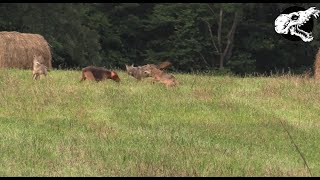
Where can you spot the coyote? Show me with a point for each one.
(141, 72)
(162, 77)
(98, 74)
(164, 65)
(38, 68)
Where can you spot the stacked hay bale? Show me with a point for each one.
(317, 66)
(18, 49)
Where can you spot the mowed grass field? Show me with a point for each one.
(207, 126)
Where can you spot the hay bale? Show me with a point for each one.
(317, 65)
(18, 49)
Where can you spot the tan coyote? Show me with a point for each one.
(141, 72)
(38, 67)
(154, 71)
(162, 77)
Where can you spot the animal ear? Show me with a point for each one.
(132, 65)
(113, 74)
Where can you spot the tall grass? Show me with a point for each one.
(207, 126)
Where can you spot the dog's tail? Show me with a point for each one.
(83, 77)
(164, 65)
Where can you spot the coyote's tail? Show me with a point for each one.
(164, 65)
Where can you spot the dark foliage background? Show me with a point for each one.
(194, 36)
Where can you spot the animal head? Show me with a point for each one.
(114, 76)
(37, 59)
(147, 73)
(290, 23)
(130, 69)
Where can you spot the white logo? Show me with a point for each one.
(291, 23)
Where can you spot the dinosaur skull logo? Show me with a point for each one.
(297, 23)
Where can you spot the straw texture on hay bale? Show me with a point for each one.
(317, 65)
(18, 49)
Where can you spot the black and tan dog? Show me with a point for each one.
(98, 74)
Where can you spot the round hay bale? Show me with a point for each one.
(317, 66)
(18, 49)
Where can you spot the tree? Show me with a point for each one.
(194, 36)
(224, 53)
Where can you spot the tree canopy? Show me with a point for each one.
(238, 37)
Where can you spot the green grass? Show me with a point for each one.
(207, 126)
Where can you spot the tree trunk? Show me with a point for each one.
(219, 29)
(228, 49)
(213, 43)
(227, 52)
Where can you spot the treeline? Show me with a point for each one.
(234, 37)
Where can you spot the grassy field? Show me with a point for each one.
(208, 126)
